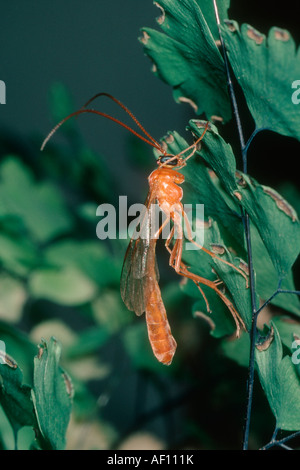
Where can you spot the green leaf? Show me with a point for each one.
(237, 349)
(223, 226)
(39, 205)
(267, 277)
(219, 319)
(281, 384)
(74, 272)
(18, 344)
(186, 55)
(15, 397)
(288, 329)
(17, 253)
(90, 257)
(209, 14)
(218, 154)
(7, 438)
(110, 312)
(202, 186)
(216, 188)
(67, 286)
(13, 296)
(52, 395)
(275, 220)
(265, 68)
(234, 283)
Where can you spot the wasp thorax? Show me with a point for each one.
(168, 159)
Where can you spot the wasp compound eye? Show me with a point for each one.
(168, 159)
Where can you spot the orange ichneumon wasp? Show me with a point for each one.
(139, 279)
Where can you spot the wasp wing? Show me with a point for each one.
(135, 267)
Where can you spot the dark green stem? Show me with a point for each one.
(244, 149)
(281, 442)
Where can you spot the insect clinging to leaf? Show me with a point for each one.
(140, 289)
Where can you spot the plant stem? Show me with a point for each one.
(278, 291)
(281, 442)
(246, 219)
(253, 334)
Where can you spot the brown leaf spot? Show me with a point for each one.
(244, 267)
(281, 203)
(281, 34)
(164, 145)
(232, 250)
(160, 19)
(199, 146)
(240, 179)
(255, 35)
(217, 248)
(230, 25)
(215, 118)
(8, 360)
(296, 338)
(169, 139)
(183, 99)
(40, 352)
(145, 38)
(68, 384)
(205, 317)
(201, 124)
(265, 343)
(212, 174)
(238, 195)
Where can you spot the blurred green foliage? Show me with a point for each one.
(58, 280)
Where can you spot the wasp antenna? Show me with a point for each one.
(99, 113)
(127, 110)
(56, 128)
(197, 141)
